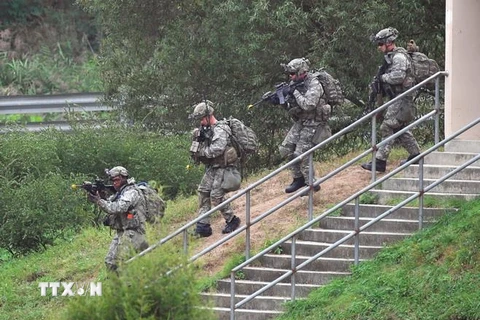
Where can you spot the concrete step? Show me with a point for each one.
(302, 276)
(457, 145)
(450, 158)
(407, 213)
(438, 171)
(246, 314)
(386, 196)
(385, 225)
(448, 186)
(344, 251)
(222, 300)
(247, 287)
(367, 238)
(283, 261)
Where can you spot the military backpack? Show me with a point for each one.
(331, 86)
(154, 204)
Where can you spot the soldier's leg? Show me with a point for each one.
(387, 129)
(132, 240)
(408, 141)
(204, 190)
(218, 195)
(111, 259)
(288, 146)
(304, 144)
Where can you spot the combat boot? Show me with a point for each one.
(203, 230)
(232, 225)
(315, 189)
(380, 165)
(410, 157)
(296, 184)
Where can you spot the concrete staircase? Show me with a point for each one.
(398, 225)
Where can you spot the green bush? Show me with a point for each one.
(38, 211)
(144, 290)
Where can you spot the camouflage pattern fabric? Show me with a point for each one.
(210, 191)
(126, 211)
(398, 115)
(123, 246)
(310, 116)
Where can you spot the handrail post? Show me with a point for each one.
(421, 191)
(292, 265)
(374, 148)
(437, 108)
(247, 223)
(356, 249)
(310, 183)
(232, 295)
(185, 242)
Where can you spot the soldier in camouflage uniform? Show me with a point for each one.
(307, 106)
(212, 146)
(397, 78)
(126, 215)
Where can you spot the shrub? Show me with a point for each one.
(38, 211)
(144, 290)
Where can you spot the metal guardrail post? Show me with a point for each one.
(422, 193)
(310, 183)
(356, 248)
(437, 108)
(292, 265)
(247, 223)
(374, 148)
(232, 295)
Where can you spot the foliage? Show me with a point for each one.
(36, 213)
(48, 72)
(169, 56)
(37, 170)
(432, 275)
(146, 290)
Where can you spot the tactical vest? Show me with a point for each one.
(409, 80)
(134, 218)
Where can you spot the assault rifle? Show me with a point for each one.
(379, 89)
(280, 95)
(199, 135)
(99, 185)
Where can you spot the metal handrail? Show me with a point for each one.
(357, 230)
(309, 188)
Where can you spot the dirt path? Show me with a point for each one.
(284, 220)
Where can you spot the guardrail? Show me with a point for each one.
(52, 103)
(41, 104)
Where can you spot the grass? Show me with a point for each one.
(434, 274)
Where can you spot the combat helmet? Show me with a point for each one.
(298, 65)
(116, 171)
(202, 109)
(386, 35)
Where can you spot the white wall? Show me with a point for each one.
(462, 61)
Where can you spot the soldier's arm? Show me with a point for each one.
(398, 71)
(309, 100)
(121, 205)
(218, 144)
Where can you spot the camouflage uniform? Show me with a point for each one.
(211, 153)
(126, 213)
(216, 152)
(400, 77)
(310, 112)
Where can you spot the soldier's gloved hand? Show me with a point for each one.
(287, 91)
(93, 197)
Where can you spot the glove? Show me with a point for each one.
(287, 91)
(93, 197)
